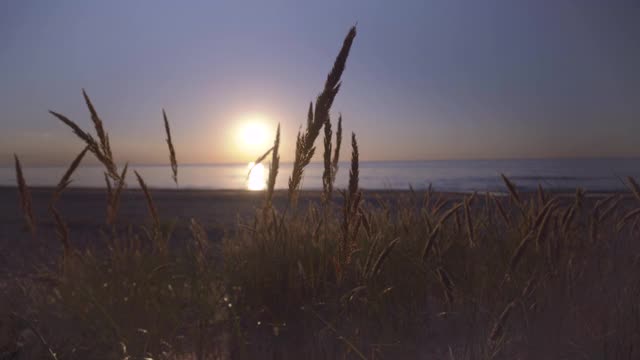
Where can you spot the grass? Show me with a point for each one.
(411, 275)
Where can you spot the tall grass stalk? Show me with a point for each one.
(336, 152)
(101, 150)
(113, 197)
(172, 152)
(273, 169)
(25, 198)
(305, 148)
(327, 174)
(66, 178)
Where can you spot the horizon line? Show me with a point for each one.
(191, 164)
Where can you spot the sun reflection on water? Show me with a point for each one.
(256, 180)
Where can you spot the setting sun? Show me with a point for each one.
(253, 136)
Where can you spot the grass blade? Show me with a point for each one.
(172, 150)
(66, 178)
(273, 169)
(25, 198)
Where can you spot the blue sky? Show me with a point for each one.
(425, 79)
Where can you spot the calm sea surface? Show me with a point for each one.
(457, 175)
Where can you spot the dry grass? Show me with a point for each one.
(469, 276)
(25, 198)
(172, 151)
(336, 153)
(327, 174)
(102, 150)
(305, 148)
(65, 181)
(113, 197)
(273, 169)
(150, 204)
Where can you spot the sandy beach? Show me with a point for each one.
(86, 207)
(218, 211)
(84, 210)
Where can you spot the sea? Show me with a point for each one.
(596, 175)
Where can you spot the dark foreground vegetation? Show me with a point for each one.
(418, 275)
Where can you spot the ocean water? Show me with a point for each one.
(444, 175)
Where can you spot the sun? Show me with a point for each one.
(254, 136)
(253, 139)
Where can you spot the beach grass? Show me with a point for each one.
(418, 274)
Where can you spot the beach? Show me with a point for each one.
(84, 210)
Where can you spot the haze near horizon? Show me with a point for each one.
(425, 80)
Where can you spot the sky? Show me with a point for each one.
(425, 79)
